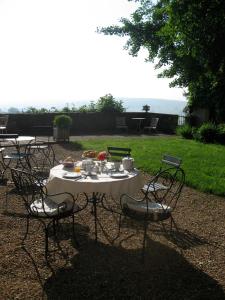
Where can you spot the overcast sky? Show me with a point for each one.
(50, 54)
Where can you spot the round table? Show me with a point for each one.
(98, 186)
(139, 122)
(21, 139)
(100, 183)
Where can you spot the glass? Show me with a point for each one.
(77, 169)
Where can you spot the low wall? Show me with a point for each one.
(84, 123)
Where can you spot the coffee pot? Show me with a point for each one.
(128, 163)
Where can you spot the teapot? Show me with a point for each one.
(87, 164)
(128, 163)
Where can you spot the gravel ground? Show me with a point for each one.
(189, 264)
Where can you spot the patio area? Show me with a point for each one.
(189, 264)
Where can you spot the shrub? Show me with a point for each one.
(207, 133)
(62, 121)
(186, 131)
(220, 138)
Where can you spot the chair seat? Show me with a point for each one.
(154, 187)
(139, 210)
(49, 208)
(15, 156)
(40, 147)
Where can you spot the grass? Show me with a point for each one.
(204, 164)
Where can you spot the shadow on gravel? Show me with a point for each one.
(101, 271)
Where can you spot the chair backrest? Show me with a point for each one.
(174, 183)
(28, 186)
(4, 120)
(171, 160)
(121, 121)
(118, 151)
(41, 158)
(154, 123)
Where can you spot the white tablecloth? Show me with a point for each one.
(102, 183)
(21, 139)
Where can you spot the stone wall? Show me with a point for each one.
(85, 123)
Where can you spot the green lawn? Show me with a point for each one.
(204, 164)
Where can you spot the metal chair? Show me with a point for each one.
(41, 158)
(153, 123)
(14, 155)
(4, 123)
(156, 207)
(118, 152)
(41, 206)
(121, 123)
(169, 163)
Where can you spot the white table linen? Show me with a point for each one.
(101, 183)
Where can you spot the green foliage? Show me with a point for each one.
(88, 108)
(62, 121)
(207, 133)
(185, 38)
(108, 103)
(203, 163)
(186, 131)
(220, 138)
(32, 110)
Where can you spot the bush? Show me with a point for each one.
(220, 138)
(62, 121)
(207, 133)
(186, 131)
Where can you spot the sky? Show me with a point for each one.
(51, 54)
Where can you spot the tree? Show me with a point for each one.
(13, 110)
(108, 103)
(185, 38)
(32, 110)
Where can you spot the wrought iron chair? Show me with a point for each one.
(4, 123)
(41, 206)
(41, 158)
(153, 123)
(159, 206)
(169, 163)
(121, 123)
(118, 152)
(14, 155)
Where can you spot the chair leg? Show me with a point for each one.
(27, 229)
(144, 241)
(74, 235)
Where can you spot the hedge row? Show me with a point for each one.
(206, 133)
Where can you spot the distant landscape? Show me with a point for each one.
(131, 105)
(156, 105)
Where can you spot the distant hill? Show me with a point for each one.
(156, 105)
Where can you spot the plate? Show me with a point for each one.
(119, 175)
(71, 175)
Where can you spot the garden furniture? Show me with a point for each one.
(154, 207)
(139, 123)
(40, 204)
(95, 186)
(152, 126)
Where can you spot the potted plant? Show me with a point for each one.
(61, 129)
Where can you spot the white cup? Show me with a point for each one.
(117, 165)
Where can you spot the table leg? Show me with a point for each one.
(94, 199)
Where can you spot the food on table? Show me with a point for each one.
(102, 155)
(69, 159)
(68, 162)
(90, 153)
